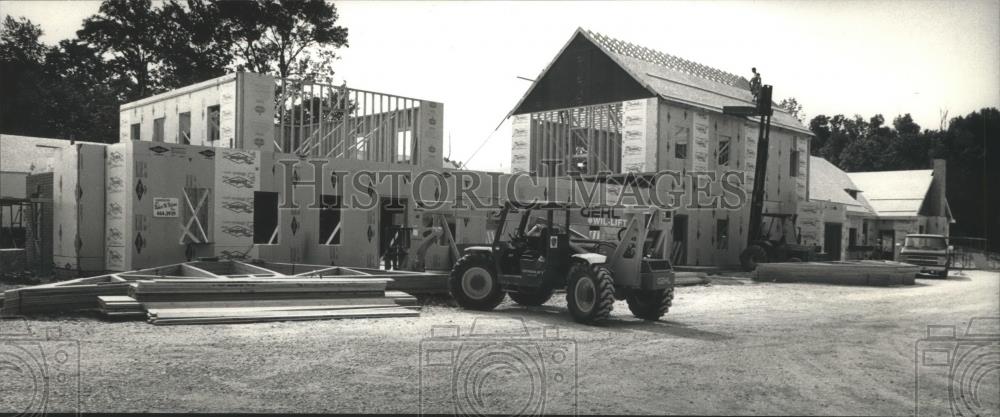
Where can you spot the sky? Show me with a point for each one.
(863, 57)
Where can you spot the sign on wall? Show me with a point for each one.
(166, 207)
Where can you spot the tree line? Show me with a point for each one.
(132, 49)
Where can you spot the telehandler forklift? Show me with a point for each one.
(530, 265)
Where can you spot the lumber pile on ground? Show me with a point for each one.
(120, 306)
(207, 292)
(73, 295)
(214, 301)
(430, 282)
(690, 278)
(840, 272)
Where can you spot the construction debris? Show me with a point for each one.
(207, 292)
(840, 272)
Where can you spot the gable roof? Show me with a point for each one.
(671, 78)
(894, 193)
(829, 183)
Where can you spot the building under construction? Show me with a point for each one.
(603, 104)
(227, 168)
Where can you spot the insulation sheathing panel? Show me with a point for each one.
(639, 135)
(118, 214)
(429, 138)
(520, 152)
(237, 176)
(79, 192)
(165, 179)
(255, 123)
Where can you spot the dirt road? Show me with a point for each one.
(745, 348)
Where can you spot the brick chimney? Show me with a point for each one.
(938, 187)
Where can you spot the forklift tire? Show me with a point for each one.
(590, 293)
(751, 256)
(474, 282)
(650, 305)
(532, 297)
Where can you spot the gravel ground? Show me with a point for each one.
(734, 347)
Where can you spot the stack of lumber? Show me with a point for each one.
(430, 282)
(212, 289)
(73, 295)
(690, 278)
(229, 292)
(223, 315)
(402, 298)
(840, 272)
(120, 306)
(244, 300)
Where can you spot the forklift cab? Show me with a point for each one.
(543, 251)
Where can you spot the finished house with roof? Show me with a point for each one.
(853, 215)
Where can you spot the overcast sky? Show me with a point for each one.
(889, 57)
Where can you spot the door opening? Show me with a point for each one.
(394, 233)
(678, 248)
(832, 236)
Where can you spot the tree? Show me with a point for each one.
(21, 62)
(198, 48)
(792, 106)
(128, 34)
(972, 144)
(905, 125)
(83, 94)
(284, 38)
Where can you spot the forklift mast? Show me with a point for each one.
(764, 111)
(760, 171)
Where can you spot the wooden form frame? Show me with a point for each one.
(82, 293)
(592, 134)
(323, 120)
